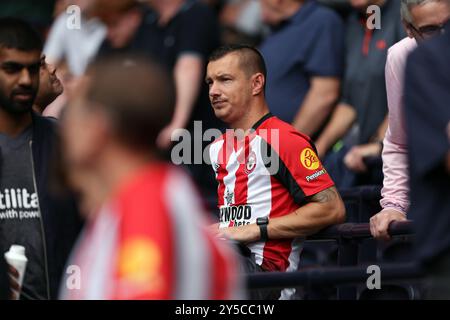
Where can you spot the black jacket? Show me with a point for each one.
(60, 216)
(4, 282)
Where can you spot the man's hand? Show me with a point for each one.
(214, 229)
(246, 234)
(164, 140)
(13, 282)
(354, 159)
(379, 223)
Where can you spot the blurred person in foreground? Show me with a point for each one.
(145, 238)
(30, 214)
(427, 114)
(422, 19)
(179, 34)
(273, 190)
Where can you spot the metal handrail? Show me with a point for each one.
(331, 276)
(343, 274)
(360, 231)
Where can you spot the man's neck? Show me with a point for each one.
(252, 117)
(291, 9)
(14, 124)
(118, 166)
(167, 10)
(37, 109)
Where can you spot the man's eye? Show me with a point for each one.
(430, 29)
(11, 69)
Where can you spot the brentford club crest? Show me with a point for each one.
(250, 164)
(229, 197)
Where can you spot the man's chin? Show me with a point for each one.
(19, 108)
(224, 117)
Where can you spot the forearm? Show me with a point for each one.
(304, 221)
(395, 192)
(316, 106)
(342, 119)
(322, 209)
(381, 131)
(187, 75)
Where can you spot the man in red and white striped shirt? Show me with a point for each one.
(273, 190)
(149, 239)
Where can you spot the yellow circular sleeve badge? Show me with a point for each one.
(140, 261)
(309, 159)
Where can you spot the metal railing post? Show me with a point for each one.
(347, 256)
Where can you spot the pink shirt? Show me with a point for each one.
(395, 163)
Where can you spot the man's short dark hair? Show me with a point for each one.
(137, 94)
(18, 34)
(251, 60)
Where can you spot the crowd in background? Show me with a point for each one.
(325, 64)
(330, 73)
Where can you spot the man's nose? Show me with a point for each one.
(25, 77)
(51, 68)
(214, 90)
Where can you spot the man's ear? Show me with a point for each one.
(100, 127)
(407, 29)
(258, 81)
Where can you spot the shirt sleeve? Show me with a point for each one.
(54, 45)
(298, 167)
(144, 261)
(326, 57)
(199, 32)
(395, 163)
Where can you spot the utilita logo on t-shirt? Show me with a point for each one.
(18, 204)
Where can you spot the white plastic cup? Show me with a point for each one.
(16, 258)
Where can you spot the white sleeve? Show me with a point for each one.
(54, 48)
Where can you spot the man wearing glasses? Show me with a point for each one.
(423, 19)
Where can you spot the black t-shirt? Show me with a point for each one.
(20, 221)
(193, 30)
(364, 86)
(4, 282)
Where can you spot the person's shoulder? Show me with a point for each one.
(398, 53)
(46, 124)
(327, 15)
(402, 47)
(197, 9)
(428, 68)
(145, 181)
(218, 140)
(437, 46)
(284, 134)
(431, 53)
(60, 22)
(392, 7)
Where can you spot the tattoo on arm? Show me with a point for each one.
(326, 195)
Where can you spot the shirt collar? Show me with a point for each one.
(305, 10)
(260, 121)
